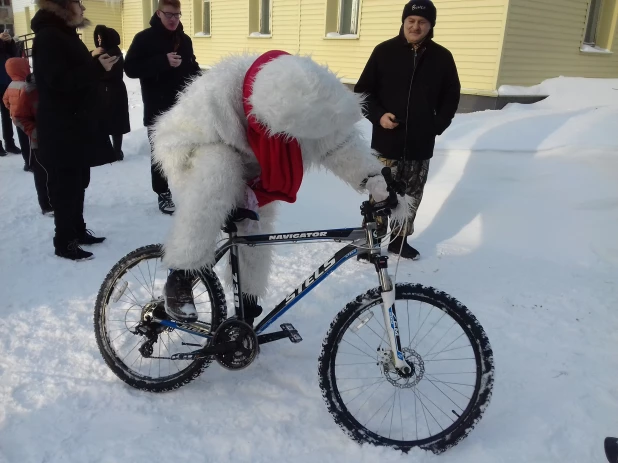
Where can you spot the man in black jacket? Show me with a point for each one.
(70, 140)
(412, 93)
(163, 60)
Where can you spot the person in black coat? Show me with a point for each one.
(112, 89)
(163, 60)
(8, 50)
(70, 141)
(412, 91)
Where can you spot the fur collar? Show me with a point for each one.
(61, 11)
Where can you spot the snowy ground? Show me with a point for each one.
(526, 238)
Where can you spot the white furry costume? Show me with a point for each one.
(201, 146)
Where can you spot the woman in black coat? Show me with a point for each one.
(70, 140)
(112, 90)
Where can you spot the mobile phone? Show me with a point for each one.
(396, 120)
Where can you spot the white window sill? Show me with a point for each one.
(595, 50)
(258, 35)
(335, 36)
(201, 34)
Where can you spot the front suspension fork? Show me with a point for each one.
(388, 301)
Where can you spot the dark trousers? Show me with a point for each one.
(41, 181)
(68, 188)
(117, 142)
(7, 123)
(159, 182)
(24, 144)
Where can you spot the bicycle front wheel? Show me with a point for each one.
(436, 405)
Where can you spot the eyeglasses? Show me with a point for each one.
(81, 3)
(172, 15)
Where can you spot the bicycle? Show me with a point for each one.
(366, 364)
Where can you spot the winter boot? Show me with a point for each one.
(2, 151)
(611, 449)
(47, 212)
(166, 205)
(119, 155)
(11, 147)
(407, 251)
(87, 238)
(71, 250)
(27, 168)
(252, 308)
(178, 296)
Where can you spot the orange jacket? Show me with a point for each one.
(21, 98)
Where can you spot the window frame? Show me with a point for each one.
(335, 16)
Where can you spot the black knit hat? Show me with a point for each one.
(423, 8)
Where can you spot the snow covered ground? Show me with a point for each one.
(519, 222)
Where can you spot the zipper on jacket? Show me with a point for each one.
(405, 145)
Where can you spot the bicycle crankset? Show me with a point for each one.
(246, 340)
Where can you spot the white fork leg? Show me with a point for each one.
(392, 328)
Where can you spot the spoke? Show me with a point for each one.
(367, 344)
(370, 395)
(350, 353)
(382, 338)
(154, 279)
(393, 414)
(133, 302)
(401, 414)
(448, 360)
(439, 340)
(359, 363)
(424, 414)
(427, 334)
(145, 281)
(127, 331)
(433, 403)
(452, 388)
(415, 416)
(420, 327)
(134, 297)
(360, 350)
(434, 385)
(131, 351)
(364, 377)
(137, 279)
(359, 387)
(169, 360)
(385, 402)
(150, 279)
(447, 346)
(457, 373)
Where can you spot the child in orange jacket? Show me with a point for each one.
(21, 99)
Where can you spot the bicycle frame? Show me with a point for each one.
(362, 237)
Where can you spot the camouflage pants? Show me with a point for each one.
(414, 174)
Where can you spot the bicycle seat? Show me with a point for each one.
(238, 215)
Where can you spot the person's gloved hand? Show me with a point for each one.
(377, 188)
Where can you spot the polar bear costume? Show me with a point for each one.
(202, 147)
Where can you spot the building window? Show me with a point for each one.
(592, 25)
(206, 17)
(260, 18)
(342, 18)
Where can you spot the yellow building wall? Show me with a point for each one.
(543, 40)
(20, 23)
(132, 20)
(101, 12)
(471, 29)
(230, 29)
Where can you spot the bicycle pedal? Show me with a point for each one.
(291, 332)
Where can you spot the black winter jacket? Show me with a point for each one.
(67, 77)
(113, 96)
(147, 60)
(421, 88)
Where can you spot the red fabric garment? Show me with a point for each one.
(279, 156)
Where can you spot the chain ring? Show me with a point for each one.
(413, 358)
(231, 330)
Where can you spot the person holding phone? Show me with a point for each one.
(412, 90)
(70, 140)
(162, 58)
(112, 89)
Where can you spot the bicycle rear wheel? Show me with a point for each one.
(434, 407)
(144, 359)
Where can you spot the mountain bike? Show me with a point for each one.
(402, 365)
